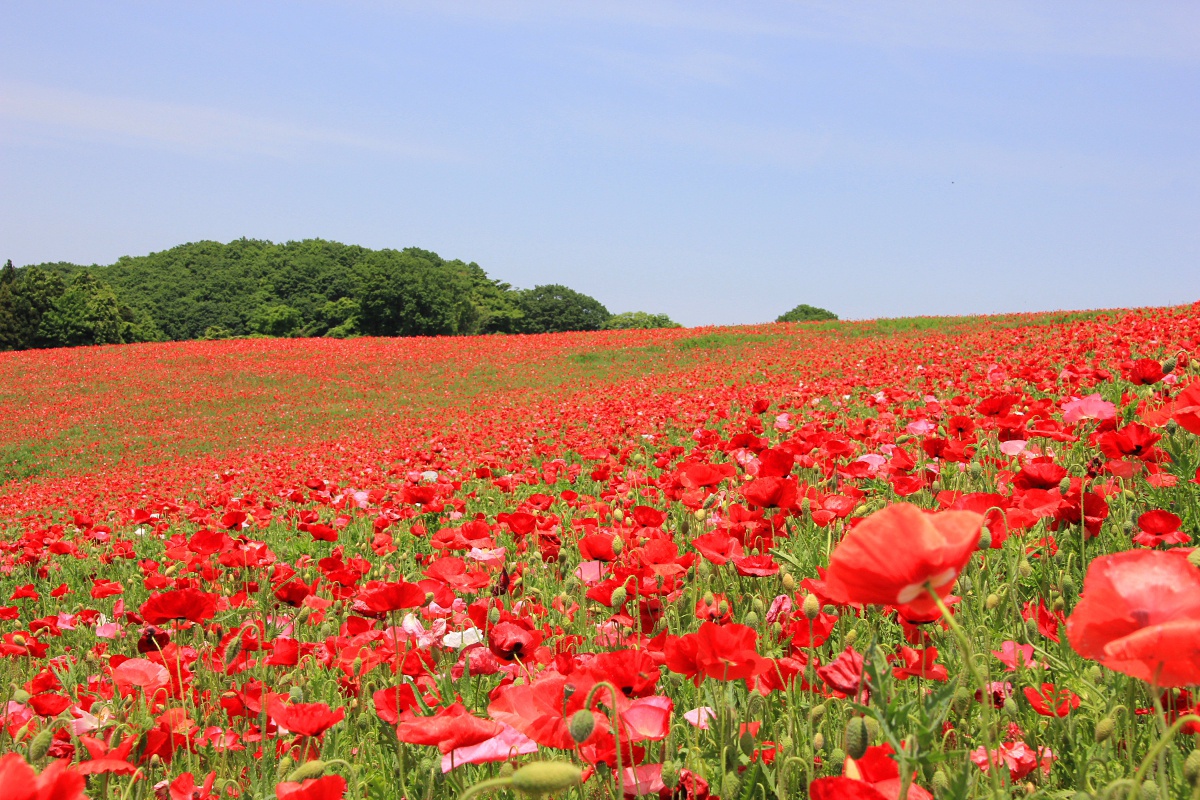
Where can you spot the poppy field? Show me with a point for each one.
(920, 558)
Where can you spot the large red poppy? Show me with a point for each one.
(1140, 615)
(190, 604)
(897, 554)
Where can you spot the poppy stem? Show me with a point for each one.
(968, 653)
(1158, 747)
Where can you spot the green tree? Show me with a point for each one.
(276, 320)
(86, 313)
(638, 319)
(406, 294)
(806, 313)
(554, 308)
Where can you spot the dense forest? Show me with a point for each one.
(209, 290)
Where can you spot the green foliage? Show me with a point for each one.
(248, 287)
(640, 320)
(806, 313)
(554, 308)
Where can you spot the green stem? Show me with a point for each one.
(968, 653)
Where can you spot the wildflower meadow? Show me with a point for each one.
(917, 558)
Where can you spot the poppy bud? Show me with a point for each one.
(231, 652)
(20, 696)
(1064, 485)
(493, 615)
(1149, 790)
(873, 730)
(1025, 568)
(730, 785)
(670, 774)
(1169, 365)
(812, 606)
(307, 771)
(940, 783)
(759, 605)
(750, 620)
(1191, 768)
(746, 743)
(296, 694)
(1105, 729)
(816, 714)
(1058, 604)
(618, 597)
(506, 769)
(40, 745)
(819, 742)
(789, 582)
(543, 777)
(837, 760)
(806, 505)
(851, 637)
(975, 468)
(1172, 426)
(619, 515)
(618, 544)
(283, 767)
(700, 514)
(992, 601)
(1095, 674)
(723, 607)
(583, 722)
(935, 486)
(1031, 627)
(856, 738)
(962, 700)
(1070, 588)
(985, 539)
(709, 598)
(1194, 558)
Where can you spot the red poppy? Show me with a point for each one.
(190, 604)
(58, 781)
(1160, 527)
(723, 652)
(1140, 615)
(896, 555)
(1051, 701)
(305, 719)
(330, 787)
(1187, 408)
(449, 728)
(377, 599)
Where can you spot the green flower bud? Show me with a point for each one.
(543, 777)
(1025, 568)
(730, 785)
(873, 729)
(283, 767)
(789, 582)
(619, 596)
(296, 694)
(856, 738)
(583, 722)
(940, 783)
(746, 743)
(992, 601)
(1169, 365)
(1191, 768)
(1194, 557)
(618, 545)
(851, 637)
(493, 615)
(837, 760)
(670, 774)
(816, 714)
(985, 539)
(818, 742)
(40, 745)
(812, 606)
(1149, 790)
(751, 619)
(1105, 729)
(307, 771)
(1064, 485)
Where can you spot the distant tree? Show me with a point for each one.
(554, 308)
(638, 319)
(276, 320)
(86, 313)
(18, 320)
(406, 294)
(806, 313)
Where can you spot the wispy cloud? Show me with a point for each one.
(1089, 28)
(181, 127)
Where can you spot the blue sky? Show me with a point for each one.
(720, 162)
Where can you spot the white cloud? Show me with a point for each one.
(193, 129)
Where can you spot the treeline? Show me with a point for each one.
(209, 290)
